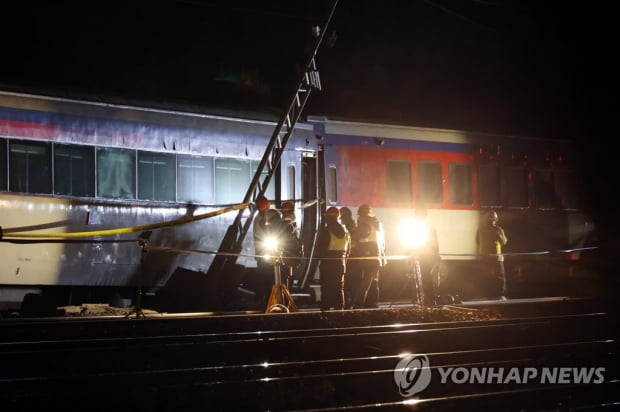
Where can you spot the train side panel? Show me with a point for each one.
(218, 153)
(532, 183)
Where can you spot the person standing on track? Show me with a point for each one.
(268, 223)
(292, 247)
(333, 248)
(490, 238)
(351, 277)
(428, 258)
(370, 247)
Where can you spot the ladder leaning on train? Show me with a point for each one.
(231, 245)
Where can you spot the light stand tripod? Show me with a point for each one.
(280, 299)
(413, 285)
(143, 241)
(416, 272)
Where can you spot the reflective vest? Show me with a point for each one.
(338, 244)
(490, 241)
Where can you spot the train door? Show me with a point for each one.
(309, 218)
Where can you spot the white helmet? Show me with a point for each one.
(491, 216)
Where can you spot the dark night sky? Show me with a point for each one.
(533, 68)
(517, 67)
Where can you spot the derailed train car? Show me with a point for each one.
(103, 171)
(108, 178)
(535, 185)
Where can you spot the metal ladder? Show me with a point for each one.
(232, 242)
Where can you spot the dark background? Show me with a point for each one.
(530, 68)
(518, 67)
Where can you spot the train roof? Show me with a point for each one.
(269, 115)
(373, 128)
(71, 97)
(168, 128)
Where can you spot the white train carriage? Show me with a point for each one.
(69, 166)
(81, 182)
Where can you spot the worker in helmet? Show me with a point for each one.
(265, 217)
(490, 238)
(428, 259)
(370, 255)
(332, 250)
(288, 212)
(267, 224)
(292, 247)
(351, 277)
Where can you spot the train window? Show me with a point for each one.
(515, 194)
(460, 184)
(116, 173)
(543, 188)
(30, 167)
(430, 182)
(568, 194)
(232, 179)
(156, 176)
(74, 170)
(489, 184)
(398, 184)
(195, 179)
(290, 176)
(270, 193)
(3, 182)
(332, 184)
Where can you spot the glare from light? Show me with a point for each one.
(271, 245)
(414, 233)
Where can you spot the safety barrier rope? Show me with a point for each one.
(132, 229)
(97, 233)
(390, 257)
(26, 238)
(148, 246)
(72, 241)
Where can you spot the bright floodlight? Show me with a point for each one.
(271, 245)
(413, 233)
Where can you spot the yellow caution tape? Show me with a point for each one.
(132, 229)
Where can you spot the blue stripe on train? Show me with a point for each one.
(86, 126)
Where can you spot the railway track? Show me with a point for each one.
(311, 361)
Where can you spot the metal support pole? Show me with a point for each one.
(142, 242)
